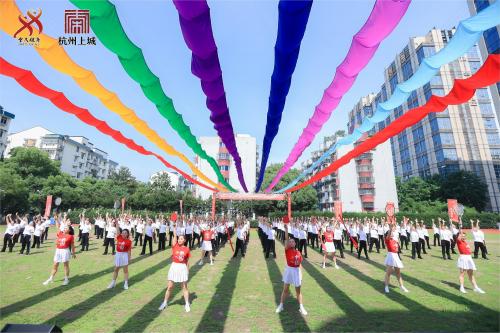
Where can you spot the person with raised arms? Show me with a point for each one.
(392, 261)
(122, 257)
(207, 233)
(328, 246)
(465, 263)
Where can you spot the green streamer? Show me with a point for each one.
(107, 27)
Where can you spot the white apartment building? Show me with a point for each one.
(5, 120)
(247, 148)
(77, 155)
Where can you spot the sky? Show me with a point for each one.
(245, 34)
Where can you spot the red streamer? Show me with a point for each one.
(29, 82)
(462, 91)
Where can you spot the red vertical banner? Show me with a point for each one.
(180, 204)
(452, 210)
(123, 204)
(213, 206)
(48, 206)
(289, 206)
(389, 210)
(337, 207)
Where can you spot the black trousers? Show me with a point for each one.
(170, 236)
(427, 242)
(196, 237)
(85, 241)
(36, 242)
(421, 242)
(445, 248)
(403, 239)
(45, 234)
(147, 240)
(354, 238)
(314, 238)
(7, 241)
(162, 241)
(25, 241)
(381, 241)
(362, 246)
(374, 241)
(453, 242)
(480, 245)
(138, 237)
(303, 246)
(338, 245)
(240, 246)
(415, 250)
(270, 246)
(189, 240)
(436, 237)
(107, 242)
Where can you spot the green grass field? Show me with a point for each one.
(241, 295)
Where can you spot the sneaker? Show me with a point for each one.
(125, 285)
(403, 288)
(279, 308)
(302, 310)
(163, 306)
(111, 285)
(323, 266)
(386, 289)
(479, 290)
(462, 290)
(49, 280)
(336, 267)
(187, 308)
(65, 282)
(211, 263)
(200, 263)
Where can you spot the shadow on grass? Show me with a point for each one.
(145, 315)
(291, 320)
(216, 313)
(76, 280)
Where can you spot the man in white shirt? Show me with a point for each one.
(9, 234)
(479, 242)
(162, 235)
(240, 240)
(29, 230)
(270, 246)
(446, 236)
(362, 241)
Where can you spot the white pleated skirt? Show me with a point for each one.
(206, 246)
(392, 259)
(178, 272)
(121, 259)
(329, 247)
(465, 262)
(293, 276)
(62, 255)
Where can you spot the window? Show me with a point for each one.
(446, 154)
(486, 109)
(438, 91)
(406, 168)
(420, 148)
(29, 143)
(224, 167)
(412, 100)
(384, 94)
(482, 94)
(443, 139)
(497, 170)
(359, 118)
(403, 140)
(4, 120)
(495, 153)
(473, 52)
(492, 40)
(422, 162)
(436, 80)
(405, 154)
(393, 81)
(474, 66)
(425, 52)
(407, 70)
(493, 138)
(427, 91)
(489, 123)
(367, 110)
(418, 133)
(398, 112)
(438, 124)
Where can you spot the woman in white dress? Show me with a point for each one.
(392, 261)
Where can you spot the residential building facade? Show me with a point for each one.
(463, 137)
(178, 182)
(5, 120)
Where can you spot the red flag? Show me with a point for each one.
(289, 207)
(48, 206)
(173, 216)
(452, 210)
(286, 219)
(337, 205)
(213, 206)
(389, 210)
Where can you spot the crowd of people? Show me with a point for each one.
(329, 236)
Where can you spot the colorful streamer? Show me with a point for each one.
(384, 17)
(292, 22)
(196, 26)
(462, 91)
(29, 82)
(467, 34)
(55, 56)
(107, 27)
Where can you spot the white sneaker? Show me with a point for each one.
(403, 288)
(337, 267)
(163, 306)
(279, 308)
(49, 280)
(65, 282)
(323, 266)
(187, 308)
(479, 290)
(211, 263)
(302, 310)
(462, 290)
(200, 263)
(112, 285)
(125, 285)
(386, 289)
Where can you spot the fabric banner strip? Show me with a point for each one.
(462, 91)
(56, 57)
(106, 25)
(383, 19)
(196, 26)
(292, 22)
(29, 82)
(464, 38)
(250, 196)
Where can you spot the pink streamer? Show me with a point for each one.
(384, 17)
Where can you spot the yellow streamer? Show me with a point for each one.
(55, 55)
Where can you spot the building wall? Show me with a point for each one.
(385, 183)
(347, 182)
(5, 120)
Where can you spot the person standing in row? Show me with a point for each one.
(240, 240)
(162, 235)
(85, 228)
(392, 261)
(479, 242)
(362, 241)
(9, 234)
(465, 263)
(302, 237)
(328, 246)
(206, 246)
(139, 230)
(149, 235)
(435, 230)
(29, 230)
(415, 243)
(292, 275)
(64, 242)
(337, 239)
(122, 257)
(111, 232)
(271, 243)
(446, 237)
(374, 238)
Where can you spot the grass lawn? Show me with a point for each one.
(241, 295)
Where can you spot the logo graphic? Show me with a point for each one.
(34, 19)
(76, 21)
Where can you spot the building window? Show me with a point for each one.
(407, 70)
(493, 138)
(368, 111)
(438, 124)
(4, 120)
(420, 147)
(224, 167)
(446, 154)
(403, 140)
(393, 81)
(443, 139)
(495, 153)
(489, 123)
(405, 154)
(482, 94)
(486, 109)
(492, 40)
(412, 100)
(474, 66)
(497, 170)
(406, 168)
(418, 133)
(436, 81)
(438, 91)
(424, 52)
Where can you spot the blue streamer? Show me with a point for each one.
(293, 17)
(467, 34)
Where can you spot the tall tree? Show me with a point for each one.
(466, 187)
(161, 182)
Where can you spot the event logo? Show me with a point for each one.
(76, 21)
(31, 19)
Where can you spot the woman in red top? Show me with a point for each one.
(179, 270)
(122, 257)
(392, 260)
(465, 263)
(64, 242)
(206, 245)
(328, 246)
(292, 274)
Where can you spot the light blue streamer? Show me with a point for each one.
(467, 34)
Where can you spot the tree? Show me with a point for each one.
(32, 162)
(466, 187)
(161, 182)
(13, 191)
(124, 178)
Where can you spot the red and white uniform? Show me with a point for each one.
(329, 246)
(392, 258)
(292, 274)
(63, 243)
(207, 240)
(123, 246)
(464, 260)
(178, 271)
